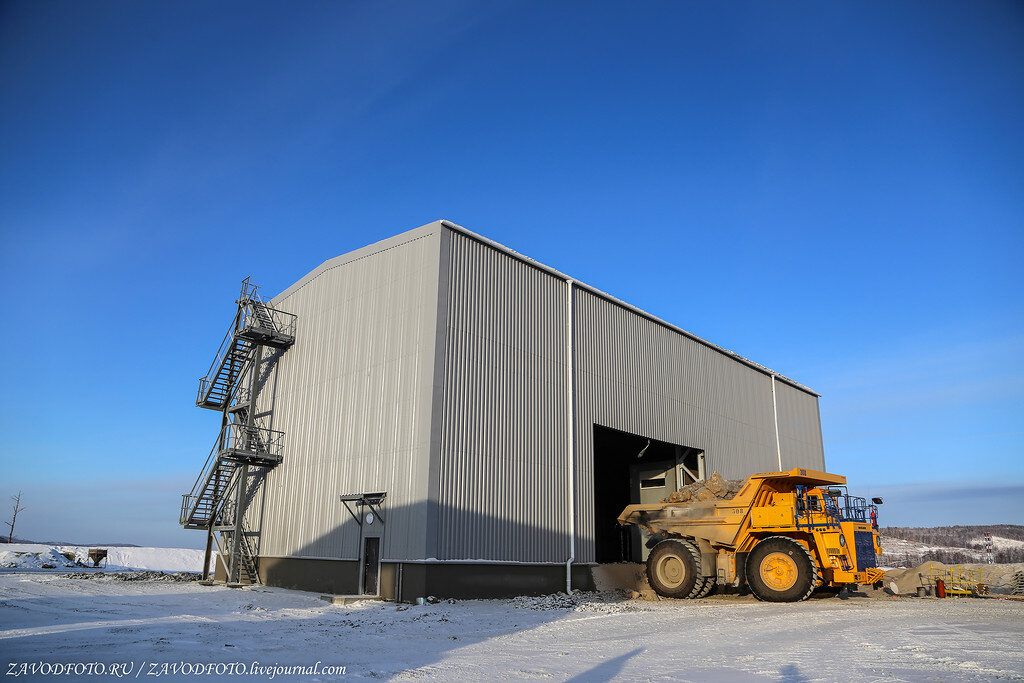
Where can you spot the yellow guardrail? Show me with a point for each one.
(958, 580)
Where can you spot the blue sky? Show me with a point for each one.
(832, 189)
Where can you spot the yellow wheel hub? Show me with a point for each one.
(778, 571)
(671, 571)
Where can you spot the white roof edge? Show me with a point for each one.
(619, 302)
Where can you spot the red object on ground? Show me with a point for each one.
(940, 588)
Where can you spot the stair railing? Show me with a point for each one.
(194, 495)
(283, 323)
(188, 502)
(244, 437)
(249, 291)
(255, 442)
(218, 360)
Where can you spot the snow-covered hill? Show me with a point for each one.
(897, 550)
(1000, 543)
(910, 546)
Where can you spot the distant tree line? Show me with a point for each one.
(905, 559)
(954, 536)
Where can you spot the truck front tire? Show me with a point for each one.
(673, 569)
(779, 569)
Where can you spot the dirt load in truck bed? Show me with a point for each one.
(715, 487)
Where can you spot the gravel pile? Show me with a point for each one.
(715, 487)
(579, 601)
(167, 577)
(553, 601)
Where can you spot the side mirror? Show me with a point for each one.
(876, 501)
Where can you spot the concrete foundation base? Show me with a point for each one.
(407, 581)
(404, 582)
(346, 599)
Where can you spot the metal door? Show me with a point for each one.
(371, 565)
(372, 529)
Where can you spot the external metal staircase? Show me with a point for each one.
(217, 500)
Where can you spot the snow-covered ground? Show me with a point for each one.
(33, 556)
(47, 618)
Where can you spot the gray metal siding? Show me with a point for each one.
(353, 396)
(504, 429)
(638, 376)
(503, 466)
(799, 429)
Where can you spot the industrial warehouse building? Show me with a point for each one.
(447, 417)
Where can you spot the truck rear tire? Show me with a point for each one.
(705, 590)
(779, 569)
(673, 569)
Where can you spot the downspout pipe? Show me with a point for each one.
(571, 440)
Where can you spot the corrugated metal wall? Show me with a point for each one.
(799, 428)
(504, 427)
(353, 396)
(636, 375)
(641, 377)
(503, 463)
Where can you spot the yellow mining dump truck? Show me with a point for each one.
(783, 534)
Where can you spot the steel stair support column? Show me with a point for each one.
(234, 567)
(209, 551)
(243, 475)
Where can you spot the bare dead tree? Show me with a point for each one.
(14, 516)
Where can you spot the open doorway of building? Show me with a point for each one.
(628, 469)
